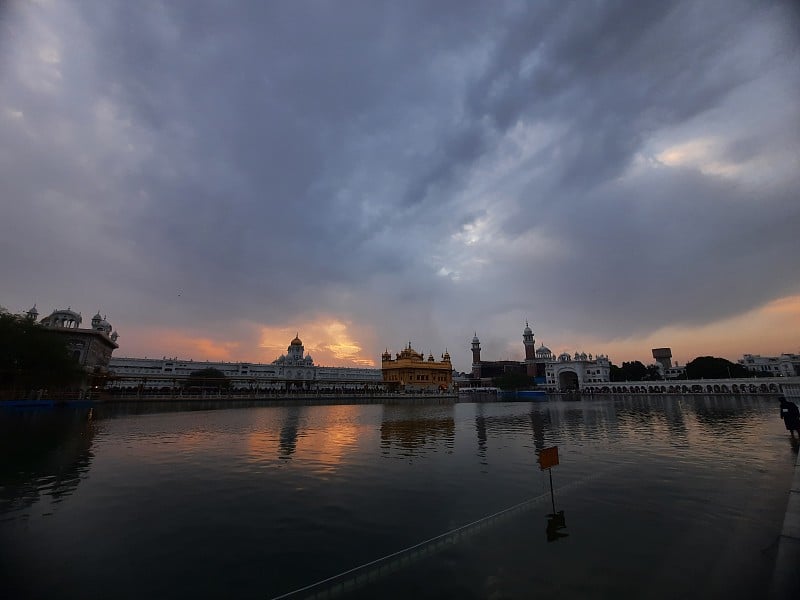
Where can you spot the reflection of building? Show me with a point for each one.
(291, 370)
(92, 348)
(785, 365)
(408, 429)
(57, 449)
(410, 371)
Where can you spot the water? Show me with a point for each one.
(662, 497)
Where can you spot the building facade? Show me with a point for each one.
(91, 347)
(410, 371)
(291, 371)
(785, 365)
(541, 365)
(569, 373)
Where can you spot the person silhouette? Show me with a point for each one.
(790, 415)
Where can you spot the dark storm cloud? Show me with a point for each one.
(399, 162)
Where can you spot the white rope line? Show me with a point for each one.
(439, 537)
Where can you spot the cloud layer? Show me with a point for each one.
(401, 172)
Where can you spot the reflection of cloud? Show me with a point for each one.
(293, 437)
(329, 446)
(260, 444)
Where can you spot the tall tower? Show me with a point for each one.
(529, 342)
(530, 351)
(476, 356)
(663, 357)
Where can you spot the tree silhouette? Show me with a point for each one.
(629, 371)
(31, 356)
(208, 379)
(712, 367)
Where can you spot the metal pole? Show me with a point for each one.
(552, 498)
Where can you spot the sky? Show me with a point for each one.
(217, 177)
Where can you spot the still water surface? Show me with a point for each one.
(662, 497)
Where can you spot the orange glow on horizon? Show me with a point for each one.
(327, 339)
(178, 343)
(768, 330)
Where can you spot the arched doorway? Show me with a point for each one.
(567, 380)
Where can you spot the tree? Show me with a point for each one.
(712, 367)
(629, 371)
(208, 379)
(31, 356)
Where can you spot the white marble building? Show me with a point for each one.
(294, 369)
(785, 365)
(574, 372)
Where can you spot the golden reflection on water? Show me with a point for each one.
(325, 445)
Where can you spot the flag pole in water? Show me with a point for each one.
(548, 458)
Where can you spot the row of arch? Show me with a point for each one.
(721, 388)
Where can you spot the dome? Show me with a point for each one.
(63, 318)
(564, 357)
(475, 339)
(296, 341)
(543, 351)
(527, 330)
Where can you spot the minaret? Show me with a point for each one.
(476, 356)
(528, 341)
(530, 351)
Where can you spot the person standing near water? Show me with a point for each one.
(790, 415)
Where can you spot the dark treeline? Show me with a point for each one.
(702, 367)
(33, 357)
